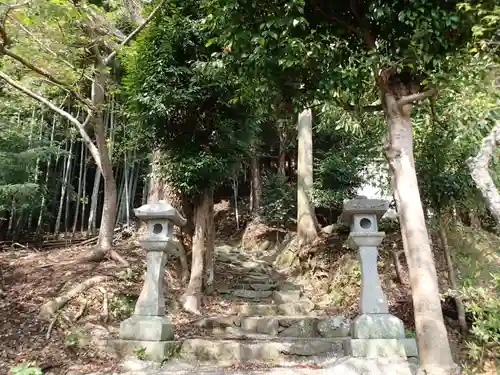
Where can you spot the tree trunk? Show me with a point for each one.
(432, 339)
(478, 166)
(282, 154)
(256, 184)
(94, 200)
(452, 277)
(191, 300)
(208, 282)
(108, 217)
(306, 219)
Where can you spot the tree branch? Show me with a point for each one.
(3, 33)
(408, 99)
(134, 33)
(80, 127)
(46, 74)
(478, 167)
(39, 42)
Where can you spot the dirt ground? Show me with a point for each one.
(30, 278)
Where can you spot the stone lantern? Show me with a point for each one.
(375, 332)
(149, 327)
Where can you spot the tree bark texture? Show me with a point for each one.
(306, 219)
(478, 166)
(109, 208)
(256, 184)
(191, 299)
(208, 282)
(432, 338)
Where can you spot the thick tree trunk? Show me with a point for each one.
(432, 339)
(306, 218)
(282, 154)
(208, 282)
(159, 189)
(108, 218)
(478, 166)
(256, 184)
(191, 299)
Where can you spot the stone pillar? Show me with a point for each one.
(375, 332)
(149, 327)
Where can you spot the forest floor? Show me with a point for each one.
(30, 278)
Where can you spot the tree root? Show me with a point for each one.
(98, 255)
(191, 304)
(51, 307)
(105, 303)
(51, 326)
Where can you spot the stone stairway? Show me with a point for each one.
(271, 320)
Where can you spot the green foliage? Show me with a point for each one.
(462, 118)
(27, 368)
(140, 353)
(483, 304)
(279, 200)
(339, 158)
(183, 107)
(122, 306)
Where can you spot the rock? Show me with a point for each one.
(303, 328)
(262, 287)
(264, 246)
(329, 229)
(254, 294)
(286, 296)
(334, 326)
(378, 326)
(269, 326)
(136, 365)
(307, 348)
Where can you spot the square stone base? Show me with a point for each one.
(156, 351)
(378, 326)
(147, 328)
(377, 348)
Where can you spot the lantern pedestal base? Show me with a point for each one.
(378, 348)
(378, 326)
(147, 328)
(156, 351)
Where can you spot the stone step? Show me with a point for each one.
(249, 350)
(305, 307)
(278, 326)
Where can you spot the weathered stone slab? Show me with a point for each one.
(378, 326)
(149, 328)
(286, 296)
(284, 326)
(238, 351)
(252, 294)
(301, 328)
(156, 351)
(299, 308)
(334, 326)
(377, 348)
(262, 287)
(218, 321)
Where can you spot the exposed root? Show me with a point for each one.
(105, 304)
(51, 307)
(51, 326)
(79, 314)
(397, 264)
(191, 304)
(118, 258)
